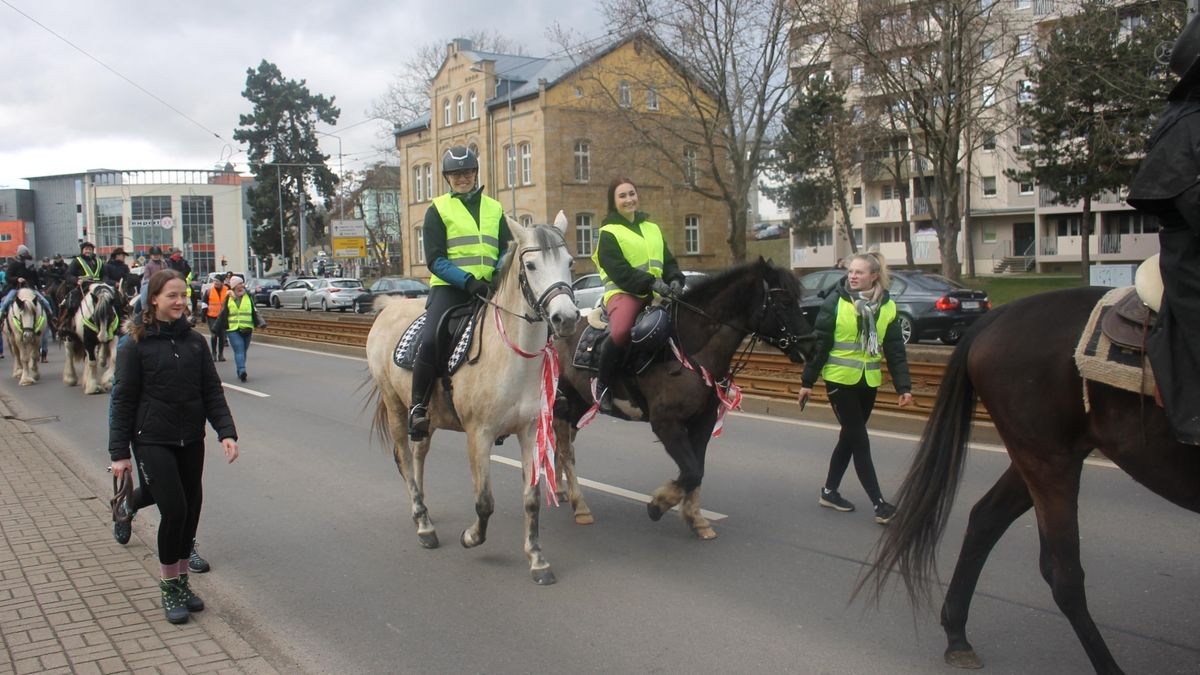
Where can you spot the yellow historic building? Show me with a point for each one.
(552, 133)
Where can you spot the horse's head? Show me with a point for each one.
(26, 315)
(782, 324)
(544, 272)
(98, 310)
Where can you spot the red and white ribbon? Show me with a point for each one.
(543, 460)
(730, 395)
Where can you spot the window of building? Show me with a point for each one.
(428, 182)
(1131, 222)
(109, 221)
(857, 115)
(1025, 187)
(1025, 91)
(583, 162)
(1021, 4)
(584, 235)
(1024, 44)
(857, 196)
(989, 186)
(889, 234)
(460, 109)
(989, 141)
(419, 244)
(1068, 225)
(473, 104)
(418, 192)
(5, 236)
(578, 92)
(987, 51)
(526, 164)
(196, 220)
(989, 234)
(446, 113)
(623, 96)
(1025, 137)
(689, 166)
(821, 237)
(527, 221)
(652, 98)
(691, 234)
(1128, 24)
(988, 97)
(856, 74)
(892, 192)
(510, 163)
(145, 221)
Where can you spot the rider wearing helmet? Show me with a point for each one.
(22, 272)
(85, 265)
(635, 265)
(465, 231)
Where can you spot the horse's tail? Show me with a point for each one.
(923, 502)
(379, 421)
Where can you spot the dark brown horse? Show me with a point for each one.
(711, 322)
(1019, 361)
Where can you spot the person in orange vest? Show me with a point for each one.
(217, 295)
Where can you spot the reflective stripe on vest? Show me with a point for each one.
(472, 247)
(240, 314)
(87, 271)
(848, 362)
(644, 251)
(214, 304)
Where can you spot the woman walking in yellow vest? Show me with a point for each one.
(464, 232)
(635, 264)
(237, 322)
(856, 328)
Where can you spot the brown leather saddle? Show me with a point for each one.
(1128, 322)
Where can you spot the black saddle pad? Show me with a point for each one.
(587, 352)
(460, 323)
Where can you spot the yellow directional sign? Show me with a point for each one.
(349, 247)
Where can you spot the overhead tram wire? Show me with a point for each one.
(114, 71)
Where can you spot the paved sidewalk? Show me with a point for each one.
(72, 600)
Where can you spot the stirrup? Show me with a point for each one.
(418, 422)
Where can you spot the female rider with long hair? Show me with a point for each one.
(166, 388)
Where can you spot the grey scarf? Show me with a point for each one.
(867, 305)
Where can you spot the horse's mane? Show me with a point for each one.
(545, 236)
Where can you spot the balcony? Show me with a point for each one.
(814, 256)
(888, 210)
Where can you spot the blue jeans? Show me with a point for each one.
(12, 295)
(240, 342)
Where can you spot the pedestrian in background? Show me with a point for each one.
(215, 299)
(238, 319)
(166, 388)
(856, 328)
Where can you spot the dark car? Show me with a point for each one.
(408, 287)
(260, 290)
(928, 306)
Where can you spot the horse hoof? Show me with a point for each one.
(467, 544)
(584, 519)
(964, 659)
(655, 511)
(705, 533)
(428, 539)
(543, 577)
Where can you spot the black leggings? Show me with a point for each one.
(853, 404)
(173, 476)
(441, 299)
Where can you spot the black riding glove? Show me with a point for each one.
(660, 287)
(676, 287)
(477, 287)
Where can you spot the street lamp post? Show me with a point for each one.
(341, 171)
(512, 148)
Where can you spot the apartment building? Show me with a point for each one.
(551, 134)
(1008, 225)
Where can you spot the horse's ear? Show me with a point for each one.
(560, 221)
(515, 226)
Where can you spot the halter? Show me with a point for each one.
(783, 341)
(89, 321)
(15, 317)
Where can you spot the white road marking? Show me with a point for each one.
(245, 390)
(311, 351)
(613, 490)
(894, 435)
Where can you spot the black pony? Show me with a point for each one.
(683, 400)
(1019, 361)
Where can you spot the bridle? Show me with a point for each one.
(540, 304)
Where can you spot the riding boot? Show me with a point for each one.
(424, 375)
(611, 357)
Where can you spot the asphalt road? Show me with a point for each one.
(316, 561)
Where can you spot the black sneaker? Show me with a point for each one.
(884, 512)
(123, 526)
(242, 376)
(196, 563)
(830, 499)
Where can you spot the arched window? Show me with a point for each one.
(446, 113)
(474, 103)
(623, 97)
(459, 110)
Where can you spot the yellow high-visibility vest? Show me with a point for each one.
(848, 361)
(643, 250)
(472, 247)
(240, 313)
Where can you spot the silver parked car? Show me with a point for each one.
(293, 292)
(329, 294)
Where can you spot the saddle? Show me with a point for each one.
(457, 328)
(1129, 321)
(587, 350)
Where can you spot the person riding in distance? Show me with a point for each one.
(856, 327)
(465, 231)
(166, 387)
(22, 270)
(115, 269)
(635, 264)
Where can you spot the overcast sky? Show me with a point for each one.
(62, 112)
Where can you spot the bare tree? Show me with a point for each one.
(719, 94)
(943, 71)
(407, 96)
(367, 194)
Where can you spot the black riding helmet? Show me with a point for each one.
(86, 244)
(458, 158)
(154, 250)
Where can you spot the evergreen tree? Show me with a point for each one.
(284, 157)
(1096, 88)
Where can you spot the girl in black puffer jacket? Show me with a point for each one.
(166, 388)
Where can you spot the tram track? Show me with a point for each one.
(767, 373)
